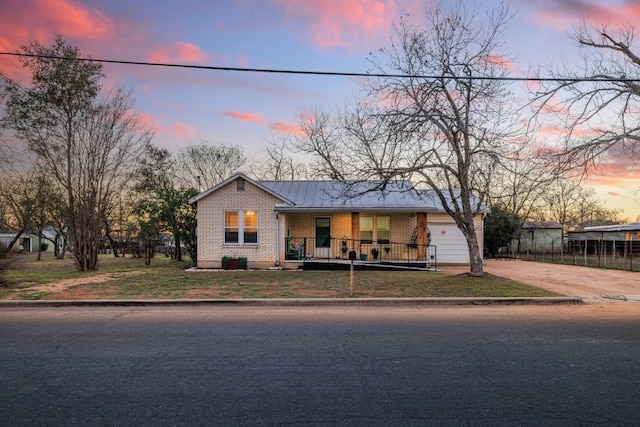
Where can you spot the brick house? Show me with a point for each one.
(288, 223)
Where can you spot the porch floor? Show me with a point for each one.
(339, 264)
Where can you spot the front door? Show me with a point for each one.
(322, 245)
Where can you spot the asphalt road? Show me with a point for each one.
(352, 366)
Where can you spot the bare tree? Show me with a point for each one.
(201, 165)
(441, 117)
(276, 161)
(573, 205)
(87, 142)
(19, 197)
(520, 185)
(598, 108)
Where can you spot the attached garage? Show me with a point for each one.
(450, 243)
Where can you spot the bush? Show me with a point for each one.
(7, 260)
(44, 246)
(233, 263)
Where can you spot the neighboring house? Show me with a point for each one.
(539, 237)
(286, 223)
(50, 237)
(6, 238)
(622, 239)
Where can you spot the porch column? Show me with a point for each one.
(355, 231)
(421, 236)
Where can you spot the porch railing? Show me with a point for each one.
(334, 249)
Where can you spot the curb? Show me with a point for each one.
(287, 302)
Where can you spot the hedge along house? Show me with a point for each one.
(313, 223)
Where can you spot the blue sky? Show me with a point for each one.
(245, 109)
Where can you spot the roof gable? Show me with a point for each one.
(232, 179)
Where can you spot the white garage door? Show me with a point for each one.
(450, 244)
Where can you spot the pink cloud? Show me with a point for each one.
(46, 18)
(339, 23)
(564, 14)
(178, 52)
(286, 128)
(616, 169)
(245, 117)
(165, 127)
(506, 63)
(279, 126)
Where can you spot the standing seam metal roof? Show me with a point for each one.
(336, 195)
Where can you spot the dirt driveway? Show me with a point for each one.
(590, 284)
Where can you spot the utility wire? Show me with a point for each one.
(330, 73)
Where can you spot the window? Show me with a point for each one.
(375, 228)
(366, 228)
(241, 227)
(250, 227)
(240, 184)
(383, 233)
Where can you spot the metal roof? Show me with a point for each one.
(538, 225)
(617, 227)
(350, 196)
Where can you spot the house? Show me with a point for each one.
(50, 237)
(23, 243)
(539, 237)
(290, 223)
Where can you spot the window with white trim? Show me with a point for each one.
(241, 227)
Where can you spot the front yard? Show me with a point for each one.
(129, 278)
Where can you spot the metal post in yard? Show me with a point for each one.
(352, 257)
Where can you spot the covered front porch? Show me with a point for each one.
(376, 240)
(310, 253)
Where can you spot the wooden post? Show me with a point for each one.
(421, 236)
(355, 231)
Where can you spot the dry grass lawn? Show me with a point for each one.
(129, 278)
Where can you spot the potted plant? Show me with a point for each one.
(363, 257)
(343, 249)
(374, 253)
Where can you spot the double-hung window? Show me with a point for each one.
(375, 228)
(241, 227)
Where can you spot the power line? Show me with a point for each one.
(329, 73)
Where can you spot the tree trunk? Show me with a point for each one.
(14, 240)
(112, 243)
(178, 248)
(467, 226)
(476, 264)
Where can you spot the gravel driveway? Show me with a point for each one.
(590, 284)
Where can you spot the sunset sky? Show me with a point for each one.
(245, 109)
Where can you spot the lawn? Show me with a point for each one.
(129, 278)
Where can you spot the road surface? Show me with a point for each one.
(347, 366)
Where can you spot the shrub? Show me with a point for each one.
(7, 260)
(231, 263)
